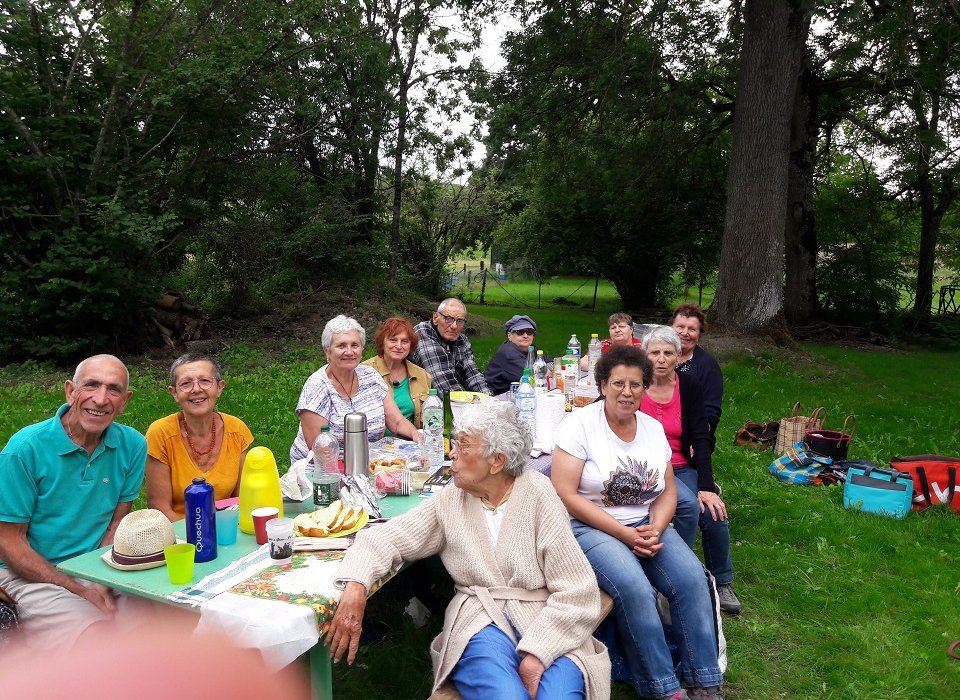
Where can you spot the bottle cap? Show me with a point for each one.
(594, 335)
(324, 428)
(539, 352)
(432, 392)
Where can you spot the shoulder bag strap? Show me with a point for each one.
(853, 429)
(924, 485)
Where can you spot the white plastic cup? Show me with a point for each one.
(280, 537)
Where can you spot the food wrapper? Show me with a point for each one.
(295, 485)
(357, 490)
(397, 453)
(392, 482)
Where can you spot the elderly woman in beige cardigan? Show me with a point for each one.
(526, 598)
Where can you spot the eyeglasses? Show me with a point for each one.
(453, 321)
(525, 331)
(460, 446)
(203, 382)
(620, 385)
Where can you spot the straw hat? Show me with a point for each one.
(139, 541)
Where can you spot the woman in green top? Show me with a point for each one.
(408, 383)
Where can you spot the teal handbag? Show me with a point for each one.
(876, 490)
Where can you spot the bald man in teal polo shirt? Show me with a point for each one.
(65, 484)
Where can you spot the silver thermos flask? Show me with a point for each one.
(356, 448)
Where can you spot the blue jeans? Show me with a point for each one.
(716, 533)
(633, 582)
(488, 669)
(687, 515)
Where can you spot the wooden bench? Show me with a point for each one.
(448, 691)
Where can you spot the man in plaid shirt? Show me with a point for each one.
(445, 352)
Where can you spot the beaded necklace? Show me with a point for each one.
(213, 439)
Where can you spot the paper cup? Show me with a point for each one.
(179, 558)
(227, 521)
(280, 537)
(260, 518)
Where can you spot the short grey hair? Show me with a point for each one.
(662, 334)
(78, 372)
(190, 357)
(338, 325)
(446, 302)
(498, 424)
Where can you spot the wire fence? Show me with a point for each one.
(486, 286)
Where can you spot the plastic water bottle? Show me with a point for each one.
(593, 355)
(573, 346)
(540, 373)
(201, 519)
(326, 471)
(433, 429)
(526, 402)
(531, 358)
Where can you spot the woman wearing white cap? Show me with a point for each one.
(511, 357)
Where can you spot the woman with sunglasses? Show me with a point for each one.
(196, 441)
(511, 357)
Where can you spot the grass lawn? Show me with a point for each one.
(836, 604)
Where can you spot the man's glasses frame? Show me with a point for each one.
(453, 320)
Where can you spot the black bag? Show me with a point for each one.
(832, 443)
(759, 436)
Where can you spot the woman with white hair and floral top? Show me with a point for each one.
(342, 386)
(521, 622)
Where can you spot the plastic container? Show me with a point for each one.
(527, 402)
(326, 469)
(593, 353)
(584, 395)
(259, 486)
(540, 373)
(433, 429)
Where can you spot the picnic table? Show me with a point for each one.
(242, 594)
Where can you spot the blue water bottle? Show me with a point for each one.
(201, 520)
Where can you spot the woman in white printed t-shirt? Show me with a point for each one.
(611, 468)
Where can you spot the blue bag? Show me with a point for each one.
(875, 490)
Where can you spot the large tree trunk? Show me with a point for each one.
(403, 108)
(750, 282)
(801, 304)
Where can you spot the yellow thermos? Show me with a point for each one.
(259, 485)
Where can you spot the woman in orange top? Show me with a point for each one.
(197, 441)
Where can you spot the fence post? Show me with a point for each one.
(483, 286)
(596, 286)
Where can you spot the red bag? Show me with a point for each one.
(936, 479)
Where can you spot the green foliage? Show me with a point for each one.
(613, 161)
(866, 249)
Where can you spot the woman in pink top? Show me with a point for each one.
(676, 401)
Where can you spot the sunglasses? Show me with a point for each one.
(525, 331)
